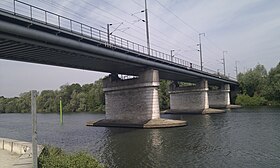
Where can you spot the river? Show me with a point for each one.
(247, 137)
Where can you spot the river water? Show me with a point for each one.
(247, 137)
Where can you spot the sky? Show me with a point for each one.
(248, 30)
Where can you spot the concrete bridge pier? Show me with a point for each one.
(134, 102)
(189, 99)
(220, 98)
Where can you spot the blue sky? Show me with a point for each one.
(249, 30)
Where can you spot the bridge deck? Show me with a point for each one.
(27, 39)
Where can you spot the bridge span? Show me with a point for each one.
(32, 34)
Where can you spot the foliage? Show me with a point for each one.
(253, 81)
(20, 104)
(163, 94)
(48, 101)
(246, 100)
(259, 88)
(52, 157)
(75, 98)
(273, 83)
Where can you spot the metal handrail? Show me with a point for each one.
(114, 42)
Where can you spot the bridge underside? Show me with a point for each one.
(24, 50)
(53, 55)
(33, 42)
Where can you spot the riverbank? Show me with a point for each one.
(18, 154)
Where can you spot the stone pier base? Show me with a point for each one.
(133, 102)
(220, 98)
(190, 99)
(153, 123)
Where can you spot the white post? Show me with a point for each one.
(34, 128)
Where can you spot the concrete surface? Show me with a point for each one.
(132, 99)
(205, 111)
(16, 154)
(219, 98)
(189, 99)
(154, 123)
(7, 159)
(233, 106)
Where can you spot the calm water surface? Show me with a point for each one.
(239, 138)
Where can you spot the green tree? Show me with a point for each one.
(258, 87)
(24, 102)
(273, 84)
(68, 94)
(48, 101)
(82, 97)
(74, 101)
(96, 97)
(254, 81)
(11, 105)
(164, 95)
(2, 104)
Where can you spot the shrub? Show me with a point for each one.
(53, 157)
(273, 103)
(245, 100)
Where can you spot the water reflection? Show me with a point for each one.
(240, 138)
(156, 138)
(135, 147)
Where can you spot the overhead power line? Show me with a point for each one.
(188, 25)
(116, 16)
(164, 21)
(171, 44)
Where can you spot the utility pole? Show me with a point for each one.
(236, 70)
(147, 27)
(224, 62)
(200, 50)
(171, 54)
(108, 32)
(34, 129)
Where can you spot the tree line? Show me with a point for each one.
(259, 87)
(75, 98)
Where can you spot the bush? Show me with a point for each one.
(53, 157)
(245, 100)
(273, 103)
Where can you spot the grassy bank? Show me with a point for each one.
(53, 157)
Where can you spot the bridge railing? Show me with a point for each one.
(209, 71)
(43, 16)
